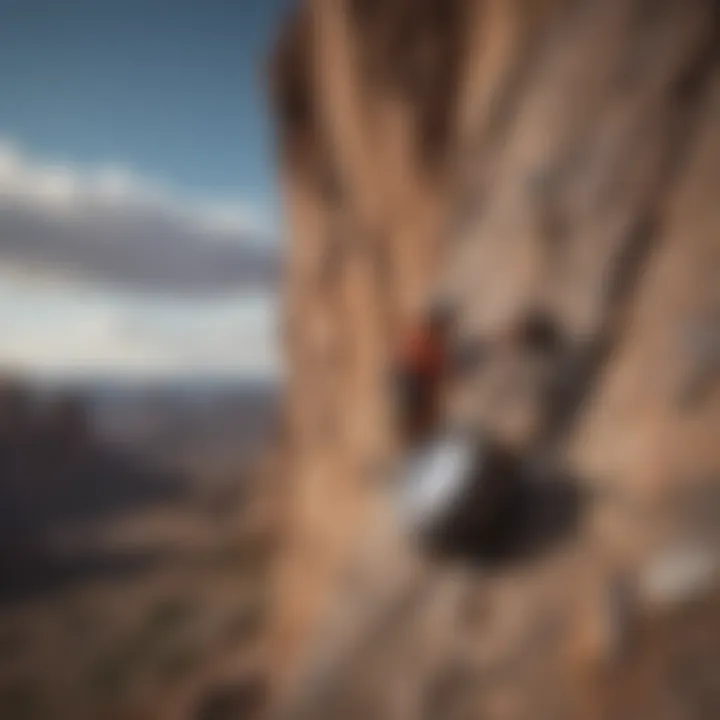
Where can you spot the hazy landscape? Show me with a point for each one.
(131, 568)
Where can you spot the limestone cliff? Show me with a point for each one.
(526, 158)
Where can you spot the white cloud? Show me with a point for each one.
(103, 272)
(54, 331)
(110, 224)
(74, 188)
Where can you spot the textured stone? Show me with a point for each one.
(527, 159)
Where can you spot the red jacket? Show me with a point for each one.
(422, 353)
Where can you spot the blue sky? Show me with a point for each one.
(172, 88)
(138, 210)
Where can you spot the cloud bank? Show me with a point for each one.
(111, 226)
(105, 274)
(61, 332)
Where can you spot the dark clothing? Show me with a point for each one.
(419, 369)
(412, 401)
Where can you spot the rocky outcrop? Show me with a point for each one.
(541, 163)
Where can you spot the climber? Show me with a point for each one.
(451, 484)
(436, 464)
(419, 370)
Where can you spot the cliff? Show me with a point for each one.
(526, 159)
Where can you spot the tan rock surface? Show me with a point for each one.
(521, 157)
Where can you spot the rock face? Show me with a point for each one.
(547, 164)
